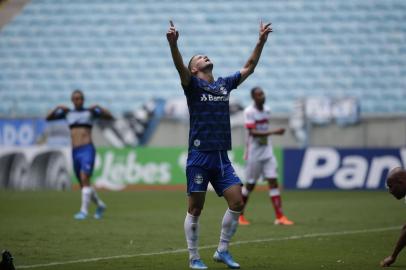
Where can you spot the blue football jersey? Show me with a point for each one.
(209, 112)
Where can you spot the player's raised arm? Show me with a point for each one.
(172, 36)
(58, 113)
(249, 67)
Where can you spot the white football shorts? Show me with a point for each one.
(266, 168)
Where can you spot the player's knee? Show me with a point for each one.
(273, 183)
(85, 183)
(195, 211)
(237, 205)
(84, 179)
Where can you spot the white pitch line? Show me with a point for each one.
(293, 237)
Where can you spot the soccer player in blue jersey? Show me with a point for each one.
(80, 121)
(209, 141)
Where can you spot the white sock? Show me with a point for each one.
(274, 192)
(192, 235)
(86, 193)
(95, 198)
(228, 229)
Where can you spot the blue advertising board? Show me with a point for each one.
(340, 168)
(21, 132)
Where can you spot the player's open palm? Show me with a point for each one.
(387, 261)
(172, 34)
(264, 30)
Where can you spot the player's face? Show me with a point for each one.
(259, 97)
(201, 63)
(78, 100)
(397, 188)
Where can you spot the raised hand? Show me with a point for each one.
(172, 34)
(264, 30)
(387, 261)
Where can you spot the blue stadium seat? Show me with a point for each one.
(318, 48)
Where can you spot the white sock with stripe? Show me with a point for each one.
(192, 235)
(86, 194)
(228, 228)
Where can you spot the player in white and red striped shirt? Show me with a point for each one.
(260, 160)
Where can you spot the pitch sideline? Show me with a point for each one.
(293, 237)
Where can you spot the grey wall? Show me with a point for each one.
(373, 131)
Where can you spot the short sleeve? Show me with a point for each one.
(233, 80)
(249, 119)
(192, 84)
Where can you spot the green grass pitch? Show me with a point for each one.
(144, 230)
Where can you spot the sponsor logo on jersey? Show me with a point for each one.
(209, 97)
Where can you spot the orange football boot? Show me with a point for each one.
(283, 220)
(243, 221)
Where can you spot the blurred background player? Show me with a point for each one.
(209, 141)
(260, 160)
(80, 121)
(396, 183)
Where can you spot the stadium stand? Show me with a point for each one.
(116, 51)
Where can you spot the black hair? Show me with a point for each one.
(189, 66)
(255, 89)
(78, 91)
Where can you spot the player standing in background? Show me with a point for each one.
(80, 121)
(260, 160)
(209, 141)
(396, 183)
